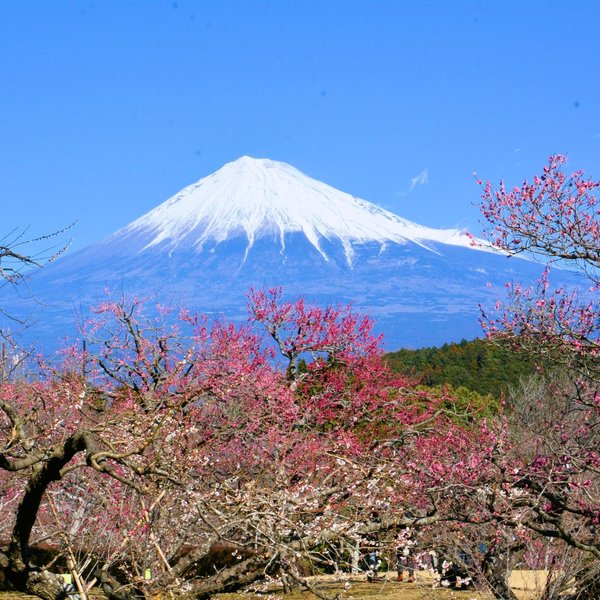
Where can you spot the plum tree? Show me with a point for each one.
(549, 465)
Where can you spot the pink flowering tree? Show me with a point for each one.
(549, 466)
(171, 453)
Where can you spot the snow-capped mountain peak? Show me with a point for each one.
(262, 224)
(262, 197)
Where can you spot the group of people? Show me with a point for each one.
(410, 558)
(406, 559)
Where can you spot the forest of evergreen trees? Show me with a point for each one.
(479, 365)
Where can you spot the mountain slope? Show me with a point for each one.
(263, 223)
(260, 197)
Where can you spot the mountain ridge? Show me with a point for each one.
(259, 197)
(422, 286)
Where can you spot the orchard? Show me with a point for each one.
(175, 454)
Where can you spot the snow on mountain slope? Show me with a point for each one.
(259, 197)
(260, 223)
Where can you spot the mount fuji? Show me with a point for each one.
(263, 223)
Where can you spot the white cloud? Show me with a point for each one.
(421, 179)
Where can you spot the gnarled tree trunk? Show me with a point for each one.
(20, 573)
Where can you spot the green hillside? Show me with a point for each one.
(479, 365)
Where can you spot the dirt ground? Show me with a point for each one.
(527, 585)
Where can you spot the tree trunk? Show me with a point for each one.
(20, 573)
(495, 572)
(232, 578)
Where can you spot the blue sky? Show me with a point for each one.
(110, 107)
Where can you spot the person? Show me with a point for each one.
(372, 563)
(372, 557)
(405, 555)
